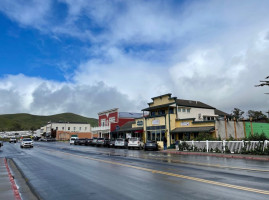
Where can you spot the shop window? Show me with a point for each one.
(153, 136)
(158, 138)
(148, 136)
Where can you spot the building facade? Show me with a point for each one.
(110, 122)
(178, 119)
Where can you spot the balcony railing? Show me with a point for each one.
(101, 128)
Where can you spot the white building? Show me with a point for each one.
(67, 127)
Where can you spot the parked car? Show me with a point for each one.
(112, 143)
(106, 142)
(12, 139)
(88, 142)
(72, 140)
(135, 142)
(27, 142)
(94, 141)
(100, 142)
(121, 142)
(80, 141)
(151, 145)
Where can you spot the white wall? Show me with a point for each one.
(194, 112)
(69, 127)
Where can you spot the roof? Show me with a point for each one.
(221, 113)
(193, 129)
(128, 127)
(130, 115)
(157, 107)
(190, 103)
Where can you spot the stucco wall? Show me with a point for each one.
(220, 129)
(194, 112)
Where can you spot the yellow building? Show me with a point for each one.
(177, 119)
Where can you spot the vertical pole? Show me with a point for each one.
(244, 124)
(251, 125)
(235, 134)
(226, 134)
(207, 146)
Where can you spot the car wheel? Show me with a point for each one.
(21, 146)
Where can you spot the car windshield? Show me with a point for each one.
(150, 141)
(133, 139)
(27, 139)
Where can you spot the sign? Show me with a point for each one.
(185, 123)
(139, 123)
(156, 122)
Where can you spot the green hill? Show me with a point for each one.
(23, 121)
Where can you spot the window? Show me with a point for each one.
(80, 128)
(103, 122)
(69, 128)
(74, 128)
(56, 128)
(179, 109)
(85, 128)
(162, 112)
(183, 109)
(171, 110)
(188, 110)
(62, 128)
(112, 119)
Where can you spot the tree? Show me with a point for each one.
(264, 83)
(256, 115)
(237, 113)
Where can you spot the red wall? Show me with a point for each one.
(118, 122)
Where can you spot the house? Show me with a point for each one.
(110, 122)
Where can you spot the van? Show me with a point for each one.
(72, 140)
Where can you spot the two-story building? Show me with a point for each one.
(64, 130)
(110, 122)
(178, 118)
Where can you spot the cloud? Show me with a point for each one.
(210, 51)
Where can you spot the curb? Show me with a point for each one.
(219, 155)
(13, 184)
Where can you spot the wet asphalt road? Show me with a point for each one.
(60, 171)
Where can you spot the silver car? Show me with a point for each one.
(27, 142)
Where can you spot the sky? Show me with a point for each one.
(85, 57)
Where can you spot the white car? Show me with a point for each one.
(27, 142)
(135, 142)
(12, 139)
(72, 140)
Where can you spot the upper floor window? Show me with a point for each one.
(56, 128)
(183, 109)
(171, 110)
(62, 128)
(85, 128)
(69, 128)
(153, 113)
(74, 128)
(80, 128)
(179, 109)
(188, 110)
(103, 122)
(162, 112)
(112, 119)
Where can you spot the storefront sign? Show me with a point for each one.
(156, 122)
(185, 123)
(139, 123)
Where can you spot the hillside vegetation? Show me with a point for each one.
(23, 121)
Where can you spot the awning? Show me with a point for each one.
(193, 129)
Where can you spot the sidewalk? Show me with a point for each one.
(222, 155)
(8, 188)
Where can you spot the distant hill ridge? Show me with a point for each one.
(24, 121)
